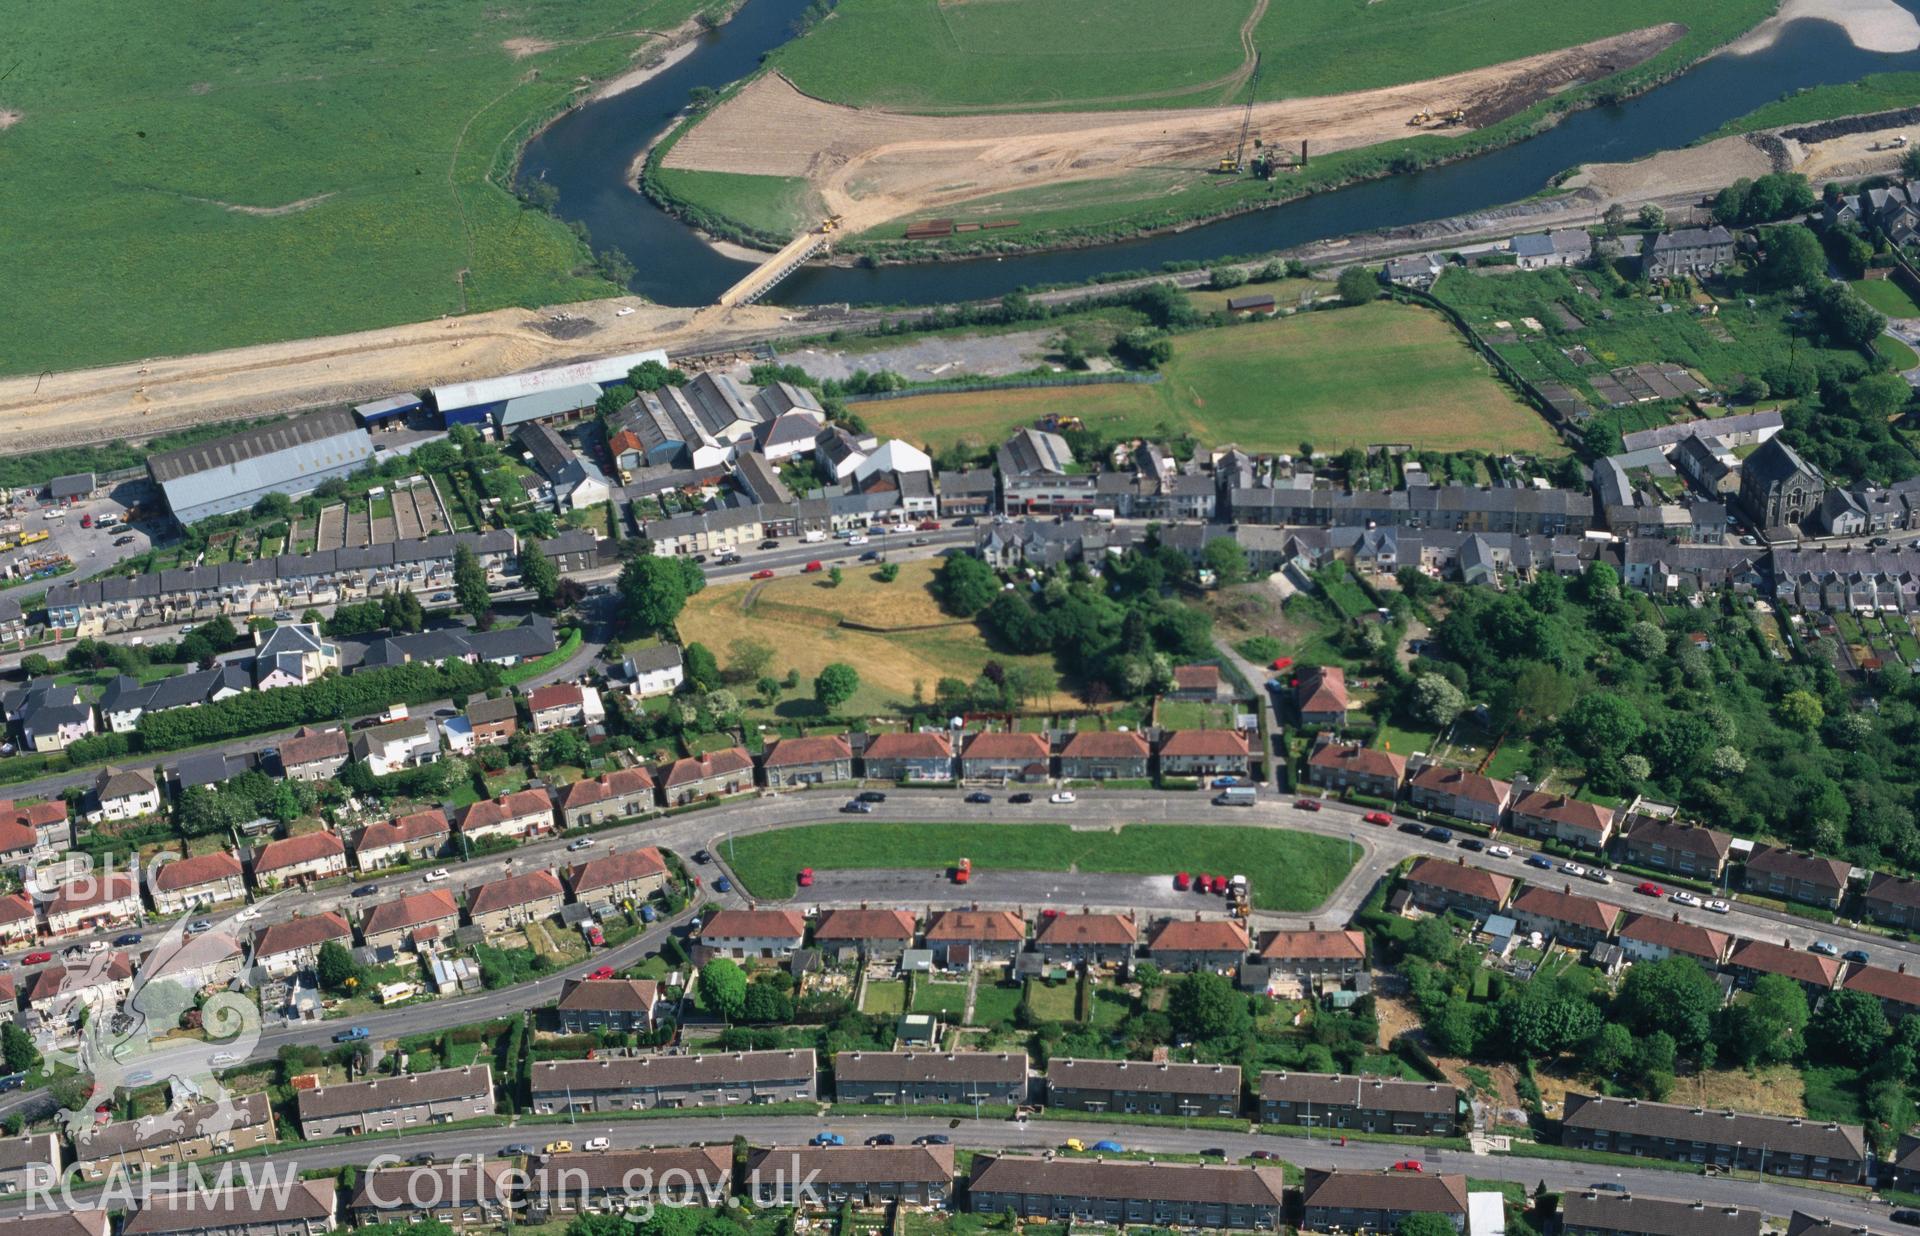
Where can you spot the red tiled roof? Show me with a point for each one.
(616, 869)
(1462, 879)
(403, 829)
(864, 925)
(1064, 930)
(410, 911)
(54, 980)
(1705, 842)
(1203, 935)
(1676, 936)
(1440, 779)
(1778, 860)
(34, 815)
(513, 891)
(1204, 742)
(93, 891)
(1105, 744)
(1314, 946)
(1363, 761)
(1896, 986)
(17, 838)
(995, 745)
(556, 695)
(193, 872)
(916, 746)
(291, 851)
(311, 745)
(300, 933)
(754, 925)
(625, 440)
(1322, 688)
(618, 784)
(16, 908)
(1196, 677)
(1570, 908)
(820, 749)
(515, 806)
(1791, 963)
(713, 764)
(986, 926)
(1563, 810)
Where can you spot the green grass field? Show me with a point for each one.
(972, 55)
(1339, 378)
(776, 205)
(1290, 871)
(1887, 296)
(1876, 92)
(1898, 354)
(185, 179)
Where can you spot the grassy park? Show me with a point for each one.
(186, 180)
(1289, 871)
(1887, 296)
(1337, 378)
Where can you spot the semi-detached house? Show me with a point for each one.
(515, 901)
(1458, 792)
(299, 860)
(524, 813)
(633, 875)
(813, 760)
(961, 939)
(1775, 871)
(1892, 900)
(1561, 818)
(1203, 753)
(922, 756)
(618, 795)
(1897, 991)
(714, 774)
(1350, 766)
(1215, 944)
(314, 754)
(864, 932)
(1815, 974)
(406, 838)
(995, 756)
(1112, 755)
(414, 921)
(1564, 915)
(204, 880)
(1153, 1088)
(744, 934)
(1649, 937)
(19, 919)
(1314, 956)
(1684, 849)
(94, 903)
(1335, 1201)
(286, 947)
(412, 1100)
(593, 1006)
(1436, 884)
(28, 1161)
(1098, 939)
(643, 1083)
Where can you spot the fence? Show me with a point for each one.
(1508, 374)
(1009, 384)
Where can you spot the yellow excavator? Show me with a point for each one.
(1421, 118)
(830, 223)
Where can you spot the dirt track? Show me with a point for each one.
(871, 166)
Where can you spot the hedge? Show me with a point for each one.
(330, 699)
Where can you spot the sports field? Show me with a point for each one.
(1289, 871)
(183, 178)
(1381, 373)
(801, 616)
(988, 54)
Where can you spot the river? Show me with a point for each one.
(586, 153)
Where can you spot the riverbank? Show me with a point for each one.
(681, 43)
(1871, 25)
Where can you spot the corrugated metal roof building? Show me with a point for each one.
(291, 457)
(470, 403)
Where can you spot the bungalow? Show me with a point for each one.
(1776, 871)
(423, 834)
(861, 1176)
(411, 921)
(864, 932)
(1350, 766)
(1779, 1145)
(907, 1078)
(618, 795)
(1897, 991)
(1437, 884)
(1204, 753)
(1684, 849)
(461, 1195)
(964, 938)
(557, 706)
(1198, 682)
(524, 813)
(1117, 1192)
(713, 775)
(294, 945)
(1096, 939)
(184, 1133)
(1152, 1088)
(94, 903)
(699, 1079)
(515, 901)
(1368, 1104)
(1336, 1201)
(996, 756)
(1320, 696)
(410, 1100)
(118, 794)
(922, 756)
(494, 721)
(314, 754)
(1565, 915)
(1814, 973)
(1564, 819)
(299, 860)
(305, 1208)
(628, 876)
(1315, 956)
(1105, 755)
(1458, 792)
(188, 883)
(742, 934)
(594, 1006)
(807, 761)
(1649, 937)
(1216, 944)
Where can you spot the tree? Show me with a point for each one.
(1674, 995)
(470, 587)
(400, 610)
(652, 375)
(1357, 285)
(1423, 1223)
(964, 585)
(748, 658)
(1602, 725)
(1850, 1027)
(767, 1004)
(539, 576)
(834, 576)
(338, 971)
(723, 988)
(834, 685)
(703, 670)
(1802, 710)
(1794, 258)
(17, 1050)
(35, 665)
(1765, 1026)
(1645, 640)
(1652, 218)
(1226, 559)
(653, 590)
(1206, 1006)
(1437, 701)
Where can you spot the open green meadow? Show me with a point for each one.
(777, 206)
(1289, 871)
(1380, 373)
(1876, 92)
(974, 55)
(1886, 296)
(186, 178)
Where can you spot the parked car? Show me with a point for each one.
(1647, 888)
(1020, 798)
(880, 1139)
(600, 975)
(423, 1159)
(247, 915)
(824, 1138)
(933, 1139)
(1408, 1165)
(132, 937)
(353, 1034)
(1823, 948)
(1541, 861)
(1377, 817)
(856, 807)
(1499, 851)
(1909, 1217)
(1265, 1156)
(979, 797)
(805, 879)
(1214, 1152)
(122, 540)
(872, 796)
(811, 567)
(1857, 955)
(435, 876)
(762, 573)
(703, 856)
(561, 1147)
(1442, 835)
(723, 885)
(1472, 843)
(769, 543)
(1610, 1186)
(1719, 907)
(581, 844)
(1573, 869)
(34, 959)
(1063, 796)
(1599, 875)
(1307, 804)
(1684, 898)
(1182, 880)
(199, 925)
(1108, 1146)
(1414, 828)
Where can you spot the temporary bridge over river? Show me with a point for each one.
(761, 279)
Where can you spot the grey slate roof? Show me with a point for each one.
(1606, 1211)
(1714, 1127)
(384, 1093)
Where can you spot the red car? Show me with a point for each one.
(34, 959)
(929, 525)
(604, 972)
(1307, 804)
(811, 567)
(1220, 886)
(1282, 662)
(806, 877)
(1408, 1165)
(1377, 817)
(1182, 881)
(763, 574)
(1650, 889)
(1201, 883)
(1049, 913)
